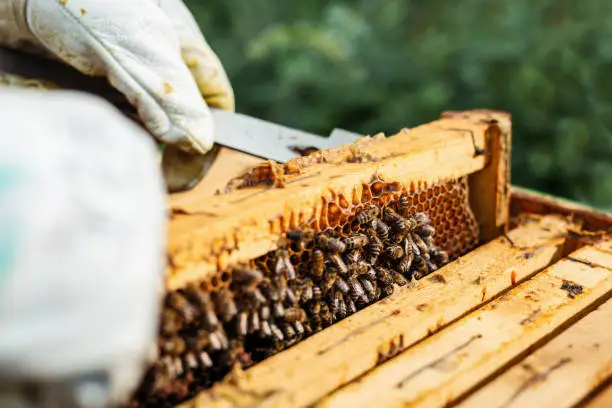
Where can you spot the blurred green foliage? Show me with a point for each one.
(373, 66)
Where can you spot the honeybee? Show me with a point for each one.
(342, 285)
(205, 359)
(166, 366)
(329, 279)
(315, 323)
(307, 292)
(281, 288)
(339, 264)
(423, 249)
(370, 274)
(268, 289)
(335, 300)
(225, 305)
(174, 346)
(403, 205)
(254, 323)
(404, 265)
(421, 268)
(278, 309)
(355, 289)
(398, 279)
(426, 230)
(397, 237)
(217, 341)
(290, 297)
(439, 256)
(265, 330)
(353, 256)
(374, 248)
(394, 252)
(359, 268)
(317, 267)
(326, 316)
(382, 230)
(350, 307)
(200, 341)
(384, 277)
(209, 317)
(299, 328)
(178, 366)
(242, 323)
(367, 214)
(264, 312)
(284, 265)
(387, 291)
(277, 334)
(289, 332)
(295, 314)
(317, 293)
(299, 236)
(314, 308)
(429, 241)
(171, 321)
(341, 311)
(255, 295)
(356, 241)
(179, 303)
(246, 276)
(331, 245)
(410, 246)
(369, 289)
(431, 266)
(422, 218)
(307, 329)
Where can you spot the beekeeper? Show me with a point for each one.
(82, 197)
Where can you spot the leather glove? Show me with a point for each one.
(152, 51)
(82, 233)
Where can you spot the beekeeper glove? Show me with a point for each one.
(152, 51)
(82, 233)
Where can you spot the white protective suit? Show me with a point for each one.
(82, 199)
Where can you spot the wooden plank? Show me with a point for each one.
(247, 223)
(490, 187)
(561, 373)
(228, 164)
(439, 370)
(528, 201)
(339, 354)
(602, 400)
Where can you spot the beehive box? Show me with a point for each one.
(341, 259)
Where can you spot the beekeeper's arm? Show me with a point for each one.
(150, 50)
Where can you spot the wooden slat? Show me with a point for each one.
(528, 201)
(559, 374)
(346, 350)
(228, 164)
(490, 187)
(247, 223)
(445, 366)
(602, 400)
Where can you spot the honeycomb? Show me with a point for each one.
(353, 255)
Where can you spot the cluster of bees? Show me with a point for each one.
(311, 281)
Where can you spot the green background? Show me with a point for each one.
(371, 66)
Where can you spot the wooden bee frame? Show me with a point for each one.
(207, 235)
